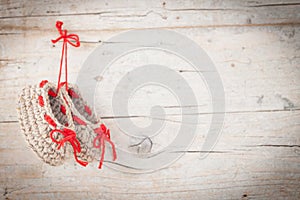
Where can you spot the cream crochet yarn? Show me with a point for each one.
(87, 126)
(85, 122)
(47, 124)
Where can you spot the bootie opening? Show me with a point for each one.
(81, 106)
(58, 108)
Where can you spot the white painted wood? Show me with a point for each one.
(255, 48)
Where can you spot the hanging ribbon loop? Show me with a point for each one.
(71, 39)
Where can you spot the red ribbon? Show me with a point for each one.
(103, 134)
(71, 39)
(69, 136)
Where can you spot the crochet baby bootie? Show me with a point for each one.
(56, 120)
(47, 124)
(44, 116)
(91, 133)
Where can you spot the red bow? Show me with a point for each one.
(69, 136)
(63, 35)
(103, 135)
(73, 40)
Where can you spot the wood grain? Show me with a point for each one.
(255, 46)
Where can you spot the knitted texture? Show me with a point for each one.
(32, 112)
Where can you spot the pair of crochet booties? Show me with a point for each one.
(57, 123)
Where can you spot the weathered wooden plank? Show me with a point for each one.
(244, 129)
(157, 14)
(261, 182)
(253, 136)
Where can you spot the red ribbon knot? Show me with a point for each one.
(69, 136)
(72, 39)
(103, 134)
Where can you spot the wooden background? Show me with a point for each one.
(255, 46)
